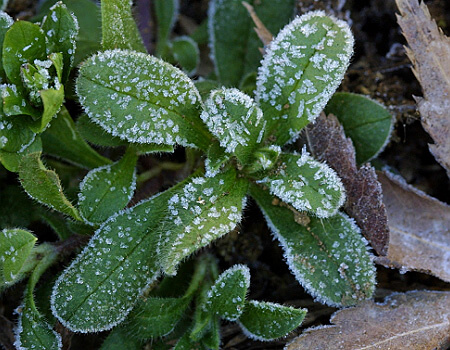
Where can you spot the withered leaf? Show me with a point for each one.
(417, 320)
(261, 30)
(429, 51)
(327, 142)
(419, 226)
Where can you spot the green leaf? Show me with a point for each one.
(306, 184)
(248, 84)
(52, 100)
(61, 30)
(185, 343)
(119, 30)
(15, 136)
(211, 339)
(24, 42)
(63, 140)
(266, 321)
(302, 68)
(205, 86)
(149, 101)
(119, 339)
(5, 22)
(233, 42)
(227, 296)
(15, 248)
(236, 121)
(216, 159)
(328, 257)
(156, 317)
(204, 210)
(16, 208)
(43, 185)
(15, 103)
(107, 189)
(185, 51)
(265, 158)
(365, 121)
(96, 135)
(166, 15)
(99, 289)
(11, 160)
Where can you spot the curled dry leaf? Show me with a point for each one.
(263, 33)
(327, 141)
(419, 226)
(429, 51)
(415, 320)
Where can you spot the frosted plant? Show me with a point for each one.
(144, 104)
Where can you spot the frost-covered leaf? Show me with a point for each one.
(227, 296)
(415, 320)
(302, 68)
(365, 121)
(216, 158)
(101, 286)
(15, 248)
(185, 52)
(24, 42)
(233, 42)
(52, 100)
(63, 140)
(15, 103)
(166, 15)
(328, 143)
(61, 29)
(149, 100)
(419, 225)
(236, 121)
(156, 317)
(266, 321)
(44, 185)
(107, 189)
(119, 30)
(204, 210)
(15, 135)
(327, 256)
(11, 160)
(264, 159)
(5, 22)
(96, 135)
(306, 184)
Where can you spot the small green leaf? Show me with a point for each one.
(107, 189)
(166, 15)
(119, 30)
(57, 59)
(43, 185)
(215, 160)
(15, 135)
(211, 339)
(205, 86)
(328, 257)
(15, 103)
(63, 140)
(233, 42)
(206, 209)
(266, 321)
(5, 23)
(365, 121)
(248, 84)
(236, 121)
(227, 296)
(119, 339)
(156, 317)
(306, 184)
(24, 42)
(11, 160)
(185, 52)
(15, 248)
(149, 101)
(52, 100)
(61, 29)
(265, 158)
(302, 68)
(185, 343)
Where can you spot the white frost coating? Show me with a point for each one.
(5, 17)
(211, 34)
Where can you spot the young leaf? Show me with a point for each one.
(327, 256)
(99, 289)
(11, 160)
(5, 22)
(52, 100)
(233, 42)
(15, 103)
(107, 189)
(119, 30)
(24, 42)
(206, 209)
(216, 159)
(15, 248)
(227, 296)
(235, 120)
(15, 135)
(211, 339)
(306, 184)
(365, 121)
(63, 140)
(61, 30)
(166, 15)
(185, 52)
(149, 100)
(43, 185)
(302, 68)
(266, 321)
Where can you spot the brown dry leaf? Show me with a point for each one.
(418, 320)
(327, 142)
(429, 51)
(263, 33)
(419, 226)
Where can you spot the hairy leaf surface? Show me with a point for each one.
(15, 135)
(11, 160)
(52, 100)
(5, 22)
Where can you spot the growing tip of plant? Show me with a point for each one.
(263, 33)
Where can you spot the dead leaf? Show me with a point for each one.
(327, 141)
(417, 320)
(419, 226)
(263, 33)
(429, 51)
